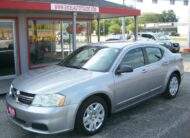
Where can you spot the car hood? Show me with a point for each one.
(168, 42)
(52, 79)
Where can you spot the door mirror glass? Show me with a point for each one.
(124, 69)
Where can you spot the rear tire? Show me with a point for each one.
(172, 86)
(91, 116)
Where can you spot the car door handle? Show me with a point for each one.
(165, 63)
(144, 71)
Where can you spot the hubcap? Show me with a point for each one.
(93, 116)
(174, 85)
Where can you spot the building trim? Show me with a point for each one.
(21, 5)
(120, 11)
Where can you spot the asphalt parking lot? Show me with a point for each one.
(158, 117)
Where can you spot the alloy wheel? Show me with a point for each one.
(93, 117)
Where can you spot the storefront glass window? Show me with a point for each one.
(82, 36)
(51, 40)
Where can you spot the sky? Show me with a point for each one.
(147, 6)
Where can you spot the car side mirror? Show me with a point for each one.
(124, 69)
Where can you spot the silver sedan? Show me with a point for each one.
(92, 83)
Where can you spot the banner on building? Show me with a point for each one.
(74, 8)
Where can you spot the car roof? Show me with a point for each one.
(151, 33)
(123, 44)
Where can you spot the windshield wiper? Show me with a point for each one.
(70, 66)
(83, 68)
(76, 67)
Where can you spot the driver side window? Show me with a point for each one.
(133, 58)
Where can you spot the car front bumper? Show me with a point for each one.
(43, 120)
(175, 49)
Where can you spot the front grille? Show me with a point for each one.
(22, 97)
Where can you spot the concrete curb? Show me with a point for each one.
(186, 50)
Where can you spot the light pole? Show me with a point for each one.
(123, 24)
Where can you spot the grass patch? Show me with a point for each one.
(179, 38)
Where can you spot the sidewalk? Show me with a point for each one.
(186, 60)
(5, 85)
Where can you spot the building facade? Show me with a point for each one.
(38, 33)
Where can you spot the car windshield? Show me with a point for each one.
(92, 58)
(162, 37)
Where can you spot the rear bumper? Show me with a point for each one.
(41, 119)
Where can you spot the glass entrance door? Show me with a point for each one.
(7, 49)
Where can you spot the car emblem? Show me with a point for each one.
(17, 92)
(17, 95)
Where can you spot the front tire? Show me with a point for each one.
(172, 86)
(91, 116)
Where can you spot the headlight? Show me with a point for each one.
(10, 90)
(49, 100)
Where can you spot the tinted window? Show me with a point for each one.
(154, 54)
(134, 58)
(148, 36)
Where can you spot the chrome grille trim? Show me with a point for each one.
(22, 97)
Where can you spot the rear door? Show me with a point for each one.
(156, 67)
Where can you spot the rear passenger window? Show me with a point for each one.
(134, 58)
(154, 54)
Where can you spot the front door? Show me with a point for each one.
(131, 86)
(7, 53)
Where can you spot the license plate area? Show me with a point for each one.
(11, 111)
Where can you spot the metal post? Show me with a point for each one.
(123, 25)
(189, 26)
(74, 30)
(88, 33)
(98, 20)
(90, 27)
(136, 28)
(61, 34)
(123, 28)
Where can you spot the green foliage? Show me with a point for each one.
(169, 16)
(94, 25)
(166, 16)
(150, 18)
(131, 28)
(104, 27)
(115, 28)
(113, 25)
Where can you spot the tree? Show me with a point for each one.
(131, 27)
(94, 25)
(150, 18)
(166, 16)
(169, 16)
(115, 28)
